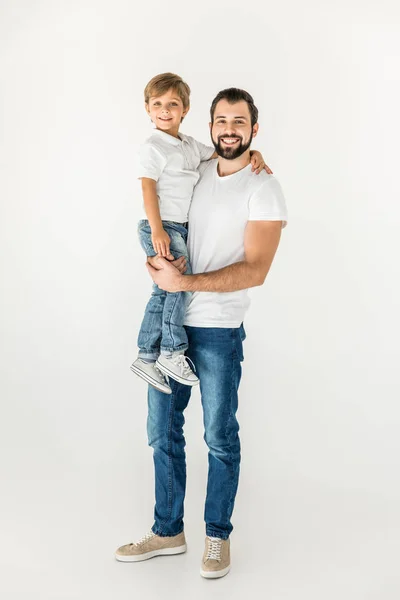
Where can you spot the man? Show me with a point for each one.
(235, 220)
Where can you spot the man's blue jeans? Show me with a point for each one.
(162, 326)
(217, 354)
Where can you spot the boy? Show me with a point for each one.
(168, 163)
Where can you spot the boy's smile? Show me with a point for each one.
(167, 112)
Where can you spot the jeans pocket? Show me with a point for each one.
(239, 337)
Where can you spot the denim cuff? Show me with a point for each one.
(148, 355)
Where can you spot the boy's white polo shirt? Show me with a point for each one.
(173, 163)
(220, 210)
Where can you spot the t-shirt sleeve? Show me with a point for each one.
(205, 152)
(268, 203)
(151, 162)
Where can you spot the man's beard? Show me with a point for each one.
(231, 153)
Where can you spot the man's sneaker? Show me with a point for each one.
(151, 545)
(216, 559)
(177, 367)
(152, 374)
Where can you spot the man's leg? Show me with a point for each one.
(165, 435)
(217, 354)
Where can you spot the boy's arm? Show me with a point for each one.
(159, 237)
(256, 159)
(260, 244)
(150, 200)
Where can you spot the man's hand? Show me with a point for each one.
(167, 276)
(179, 263)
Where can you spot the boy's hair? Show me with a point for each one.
(233, 95)
(160, 84)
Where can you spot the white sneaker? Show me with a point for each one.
(178, 368)
(151, 373)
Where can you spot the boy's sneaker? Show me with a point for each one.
(216, 559)
(151, 545)
(178, 368)
(151, 373)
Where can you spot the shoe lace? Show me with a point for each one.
(181, 361)
(144, 539)
(214, 548)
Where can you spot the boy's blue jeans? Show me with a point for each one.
(162, 326)
(217, 354)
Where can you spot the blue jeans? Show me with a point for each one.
(162, 326)
(217, 354)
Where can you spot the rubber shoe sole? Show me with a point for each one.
(151, 381)
(152, 554)
(215, 574)
(177, 378)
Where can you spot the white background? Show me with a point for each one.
(317, 513)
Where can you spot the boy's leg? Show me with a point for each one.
(149, 338)
(174, 338)
(165, 435)
(150, 333)
(217, 353)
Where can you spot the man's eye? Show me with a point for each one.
(239, 122)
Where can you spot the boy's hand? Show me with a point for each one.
(257, 162)
(161, 242)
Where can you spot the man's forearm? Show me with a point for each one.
(239, 276)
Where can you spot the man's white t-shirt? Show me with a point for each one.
(220, 209)
(173, 163)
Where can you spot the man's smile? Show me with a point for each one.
(230, 141)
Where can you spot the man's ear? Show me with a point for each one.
(255, 129)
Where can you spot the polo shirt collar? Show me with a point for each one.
(170, 138)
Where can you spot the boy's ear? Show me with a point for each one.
(255, 129)
(147, 108)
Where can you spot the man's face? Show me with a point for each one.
(231, 131)
(166, 111)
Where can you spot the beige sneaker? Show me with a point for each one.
(216, 559)
(151, 545)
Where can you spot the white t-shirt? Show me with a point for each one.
(173, 164)
(220, 209)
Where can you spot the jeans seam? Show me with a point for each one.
(167, 318)
(170, 478)
(230, 418)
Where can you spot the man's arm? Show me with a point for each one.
(261, 241)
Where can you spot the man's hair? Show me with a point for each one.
(160, 84)
(233, 95)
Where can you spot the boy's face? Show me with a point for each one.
(167, 112)
(231, 130)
